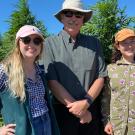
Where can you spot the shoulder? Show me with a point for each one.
(53, 41)
(49, 38)
(52, 38)
(112, 67)
(89, 38)
(90, 42)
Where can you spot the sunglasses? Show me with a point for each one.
(71, 13)
(37, 40)
(127, 43)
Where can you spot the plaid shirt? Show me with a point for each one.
(36, 92)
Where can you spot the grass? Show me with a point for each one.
(1, 121)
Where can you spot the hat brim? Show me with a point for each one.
(87, 13)
(124, 37)
(32, 33)
(27, 34)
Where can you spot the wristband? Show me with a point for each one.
(89, 99)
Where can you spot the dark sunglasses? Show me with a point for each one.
(37, 41)
(71, 13)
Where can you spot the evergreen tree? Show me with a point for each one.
(20, 16)
(107, 19)
(0, 40)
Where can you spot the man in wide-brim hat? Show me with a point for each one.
(75, 70)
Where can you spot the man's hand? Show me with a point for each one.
(78, 108)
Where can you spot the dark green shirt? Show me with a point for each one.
(74, 65)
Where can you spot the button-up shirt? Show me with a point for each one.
(74, 65)
(120, 93)
(36, 91)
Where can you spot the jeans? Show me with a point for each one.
(42, 125)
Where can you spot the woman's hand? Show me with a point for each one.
(86, 118)
(78, 108)
(108, 129)
(8, 129)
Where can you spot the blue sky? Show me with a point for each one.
(44, 10)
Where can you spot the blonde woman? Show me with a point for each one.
(24, 98)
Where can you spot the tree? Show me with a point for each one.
(108, 18)
(0, 40)
(21, 16)
(5, 47)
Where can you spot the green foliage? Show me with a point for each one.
(1, 121)
(20, 16)
(23, 16)
(5, 47)
(107, 19)
(0, 40)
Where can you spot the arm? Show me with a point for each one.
(80, 107)
(96, 88)
(60, 92)
(100, 73)
(64, 97)
(105, 107)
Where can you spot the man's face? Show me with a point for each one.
(72, 20)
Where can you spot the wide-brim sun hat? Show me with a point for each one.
(27, 30)
(76, 5)
(124, 34)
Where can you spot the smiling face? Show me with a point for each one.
(127, 48)
(30, 47)
(72, 21)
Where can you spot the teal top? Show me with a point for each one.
(14, 111)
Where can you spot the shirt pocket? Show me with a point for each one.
(88, 61)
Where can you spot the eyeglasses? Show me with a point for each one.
(71, 13)
(37, 40)
(132, 42)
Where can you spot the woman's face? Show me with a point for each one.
(127, 48)
(30, 46)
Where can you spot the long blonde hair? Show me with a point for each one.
(13, 67)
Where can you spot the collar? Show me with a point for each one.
(122, 61)
(68, 38)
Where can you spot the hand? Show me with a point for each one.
(8, 129)
(78, 108)
(108, 129)
(86, 118)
